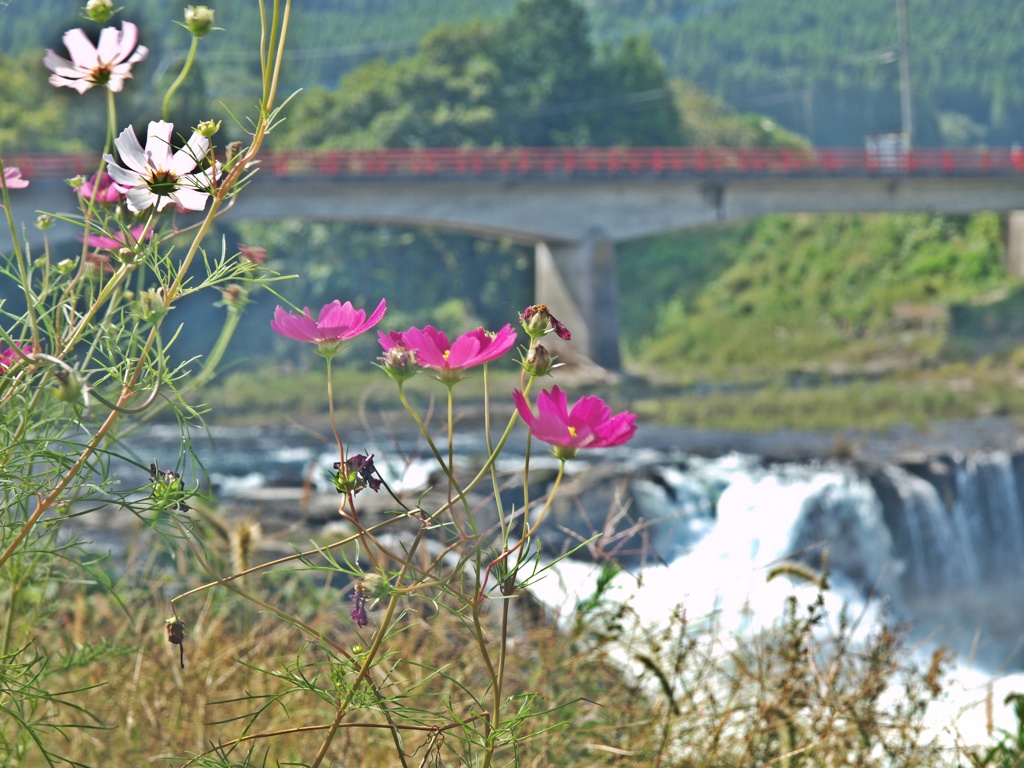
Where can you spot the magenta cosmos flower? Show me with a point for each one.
(119, 240)
(336, 323)
(9, 357)
(108, 64)
(105, 192)
(156, 175)
(432, 349)
(590, 423)
(13, 180)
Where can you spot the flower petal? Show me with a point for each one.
(83, 52)
(299, 327)
(109, 45)
(140, 198)
(158, 145)
(131, 152)
(189, 198)
(59, 65)
(13, 178)
(188, 157)
(430, 345)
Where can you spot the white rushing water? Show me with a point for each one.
(901, 559)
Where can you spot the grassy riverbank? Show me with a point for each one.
(800, 401)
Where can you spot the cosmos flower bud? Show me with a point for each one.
(44, 221)
(538, 321)
(376, 586)
(538, 361)
(208, 128)
(99, 10)
(199, 19)
(167, 489)
(234, 296)
(254, 255)
(399, 363)
(69, 386)
(151, 305)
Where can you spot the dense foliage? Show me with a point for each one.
(828, 68)
(825, 68)
(531, 80)
(787, 292)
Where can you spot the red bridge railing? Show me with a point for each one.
(588, 162)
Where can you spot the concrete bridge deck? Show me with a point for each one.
(573, 205)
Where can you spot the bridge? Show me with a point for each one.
(574, 204)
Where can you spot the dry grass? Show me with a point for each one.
(257, 690)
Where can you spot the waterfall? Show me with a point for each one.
(941, 540)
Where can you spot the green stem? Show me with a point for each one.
(334, 420)
(111, 132)
(527, 533)
(437, 456)
(181, 76)
(490, 452)
(495, 718)
(364, 669)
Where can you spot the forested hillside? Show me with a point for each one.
(823, 68)
(828, 69)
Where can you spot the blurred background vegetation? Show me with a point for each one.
(830, 298)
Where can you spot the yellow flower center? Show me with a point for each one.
(446, 353)
(572, 432)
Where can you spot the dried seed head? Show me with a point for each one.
(176, 635)
(244, 539)
(175, 630)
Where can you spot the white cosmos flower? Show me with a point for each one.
(156, 175)
(108, 64)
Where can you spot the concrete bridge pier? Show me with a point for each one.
(1013, 239)
(579, 284)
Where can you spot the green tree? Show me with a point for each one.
(641, 111)
(532, 80)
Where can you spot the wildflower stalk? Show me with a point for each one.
(461, 495)
(529, 531)
(330, 408)
(186, 67)
(371, 654)
(218, 197)
(490, 451)
(212, 360)
(271, 83)
(19, 256)
(310, 631)
(109, 142)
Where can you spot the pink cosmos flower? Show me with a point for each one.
(13, 180)
(336, 323)
(119, 239)
(156, 175)
(9, 357)
(590, 423)
(108, 64)
(105, 193)
(433, 350)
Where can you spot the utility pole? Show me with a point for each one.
(903, 48)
